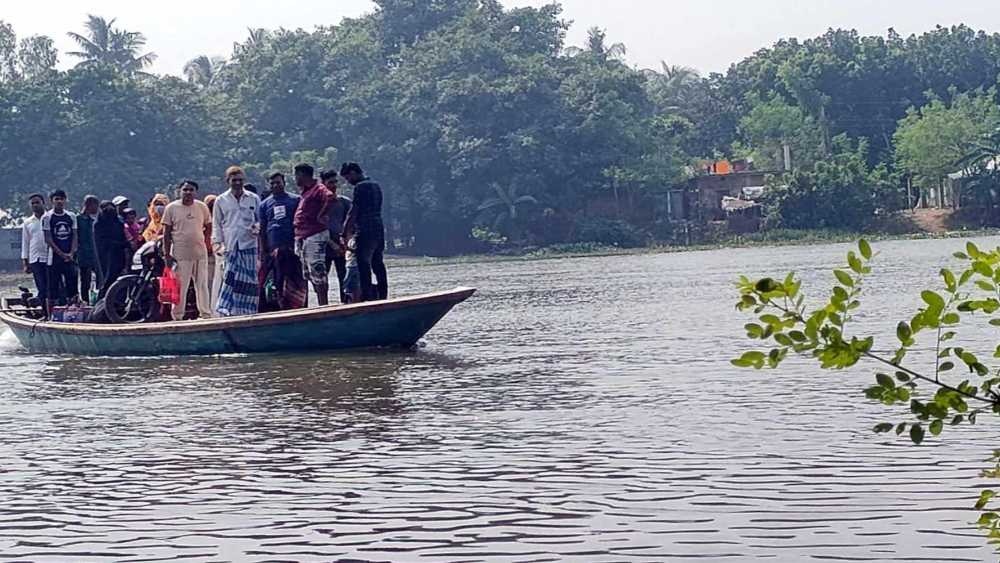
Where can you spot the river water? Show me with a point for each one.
(575, 409)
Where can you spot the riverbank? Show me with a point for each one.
(776, 238)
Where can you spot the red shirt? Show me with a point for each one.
(313, 213)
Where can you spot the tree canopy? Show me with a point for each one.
(459, 105)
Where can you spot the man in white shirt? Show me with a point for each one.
(34, 251)
(234, 238)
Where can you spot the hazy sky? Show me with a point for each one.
(705, 34)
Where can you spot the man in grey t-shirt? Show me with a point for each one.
(338, 210)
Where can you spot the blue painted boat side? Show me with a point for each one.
(386, 324)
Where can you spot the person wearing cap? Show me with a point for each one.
(364, 221)
(121, 203)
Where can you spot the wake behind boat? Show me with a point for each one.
(396, 323)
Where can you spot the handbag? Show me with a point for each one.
(170, 287)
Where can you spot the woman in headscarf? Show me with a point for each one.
(112, 245)
(214, 265)
(154, 230)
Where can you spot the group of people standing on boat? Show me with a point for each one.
(243, 253)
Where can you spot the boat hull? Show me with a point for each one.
(396, 323)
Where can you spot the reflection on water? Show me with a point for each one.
(573, 409)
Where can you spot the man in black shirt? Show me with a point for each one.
(364, 221)
(59, 227)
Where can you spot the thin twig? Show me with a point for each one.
(912, 373)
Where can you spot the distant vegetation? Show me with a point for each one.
(487, 130)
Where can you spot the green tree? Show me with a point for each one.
(202, 70)
(773, 124)
(36, 57)
(932, 141)
(503, 208)
(102, 43)
(838, 193)
(673, 86)
(598, 48)
(8, 52)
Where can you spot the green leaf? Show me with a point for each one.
(844, 278)
(986, 286)
(754, 330)
(961, 255)
(903, 332)
(750, 359)
(885, 380)
(982, 268)
(932, 299)
(766, 285)
(936, 427)
(949, 279)
(900, 428)
(984, 498)
(883, 427)
(951, 319)
(986, 518)
(972, 250)
(865, 249)
(946, 366)
(855, 263)
(770, 319)
(917, 433)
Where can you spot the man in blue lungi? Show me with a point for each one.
(234, 238)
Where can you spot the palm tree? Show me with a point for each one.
(981, 164)
(102, 43)
(598, 48)
(673, 83)
(257, 38)
(202, 71)
(505, 204)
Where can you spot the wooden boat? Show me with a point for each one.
(398, 323)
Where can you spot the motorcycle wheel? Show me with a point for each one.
(130, 301)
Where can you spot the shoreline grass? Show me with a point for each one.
(776, 238)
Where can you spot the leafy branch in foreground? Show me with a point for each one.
(959, 385)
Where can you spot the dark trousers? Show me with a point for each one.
(40, 272)
(63, 280)
(371, 261)
(340, 263)
(89, 273)
(112, 264)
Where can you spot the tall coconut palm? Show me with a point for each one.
(102, 43)
(202, 71)
(505, 204)
(598, 48)
(672, 84)
(257, 38)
